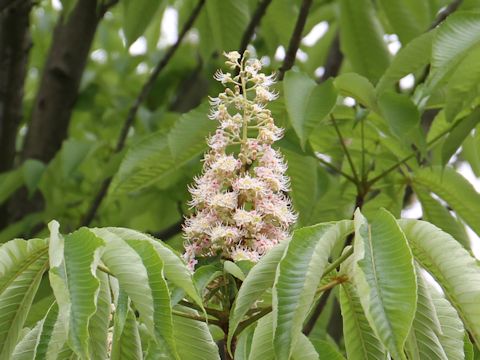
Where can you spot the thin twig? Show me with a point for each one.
(295, 39)
(170, 231)
(345, 149)
(252, 25)
(317, 311)
(362, 137)
(405, 159)
(213, 312)
(335, 169)
(442, 15)
(147, 87)
(104, 269)
(244, 324)
(334, 59)
(196, 317)
(339, 261)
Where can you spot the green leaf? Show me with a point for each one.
(298, 278)
(174, 267)
(361, 39)
(451, 265)
(32, 172)
(456, 137)
(357, 87)
(385, 278)
(262, 343)
(402, 116)
(244, 343)
(435, 213)
(470, 152)
(73, 262)
(126, 344)
(303, 174)
(158, 156)
(233, 269)
(9, 183)
(469, 352)
(408, 18)
(99, 322)
(258, 280)
(423, 341)
(307, 103)
(462, 85)
(46, 333)
(454, 39)
(221, 25)
(327, 351)
(452, 330)
(204, 275)
(409, 59)
(454, 189)
(360, 339)
(137, 15)
(304, 349)
(194, 341)
(26, 348)
(22, 264)
(57, 347)
(186, 139)
(72, 154)
(161, 298)
(132, 275)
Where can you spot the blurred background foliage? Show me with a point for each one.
(379, 101)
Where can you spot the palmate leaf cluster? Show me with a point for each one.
(121, 294)
(354, 281)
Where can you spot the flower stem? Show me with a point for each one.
(196, 317)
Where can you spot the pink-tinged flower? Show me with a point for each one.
(197, 226)
(277, 209)
(233, 57)
(240, 210)
(276, 180)
(273, 160)
(222, 77)
(219, 141)
(226, 200)
(225, 164)
(264, 95)
(250, 220)
(221, 235)
(249, 185)
(242, 253)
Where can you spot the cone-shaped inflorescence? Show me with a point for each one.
(239, 202)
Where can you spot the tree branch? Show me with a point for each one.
(170, 231)
(345, 149)
(254, 22)
(334, 60)
(147, 87)
(335, 169)
(408, 157)
(295, 39)
(442, 15)
(317, 311)
(15, 44)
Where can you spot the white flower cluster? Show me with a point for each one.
(240, 206)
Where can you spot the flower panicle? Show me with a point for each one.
(239, 203)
